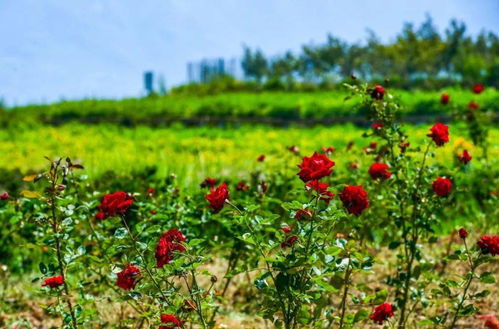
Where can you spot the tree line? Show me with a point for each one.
(419, 56)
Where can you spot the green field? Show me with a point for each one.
(191, 153)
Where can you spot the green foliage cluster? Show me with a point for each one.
(302, 108)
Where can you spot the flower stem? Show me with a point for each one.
(134, 243)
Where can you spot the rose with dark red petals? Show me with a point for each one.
(465, 157)
(127, 279)
(4, 196)
(463, 233)
(208, 182)
(403, 146)
(354, 199)
(169, 243)
(315, 167)
(170, 321)
(217, 197)
(321, 189)
(242, 186)
(53, 282)
(478, 88)
(261, 158)
(114, 204)
(378, 92)
(289, 242)
(328, 149)
(439, 133)
(379, 171)
(491, 322)
(304, 214)
(473, 105)
(381, 313)
(489, 244)
(442, 186)
(286, 229)
(377, 126)
(444, 99)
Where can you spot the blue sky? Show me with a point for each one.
(53, 49)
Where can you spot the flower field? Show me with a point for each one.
(386, 225)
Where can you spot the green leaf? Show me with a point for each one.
(120, 233)
(487, 277)
(43, 268)
(381, 296)
(361, 314)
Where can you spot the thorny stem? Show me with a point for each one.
(468, 284)
(53, 174)
(412, 249)
(345, 292)
(134, 243)
(195, 298)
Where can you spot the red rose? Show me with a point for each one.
(289, 242)
(465, 157)
(168, 243)
(491, 321)
(442, 186)
(217, 197)
(242, 186)
(170, 321)
(463, 233)
(127, 279)
(376, 126)
(315, 167)
(473, 105)
(489, 244)
(379, 170)
(303, 214)
(4, 196)
(354, 198)
(478, 88)
(114, 204)
(208, 182)
(54, 281)
(150, 191)
(286, 229)
(439, 133)
(381, 313)
(321, 189)
(378, 92)
(444, 99)
(403, 146)
(261, 158)
(328, 150)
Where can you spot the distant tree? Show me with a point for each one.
(254, 64)
(419, 56)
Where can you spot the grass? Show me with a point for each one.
(191, 153)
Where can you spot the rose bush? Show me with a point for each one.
(365, 245)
